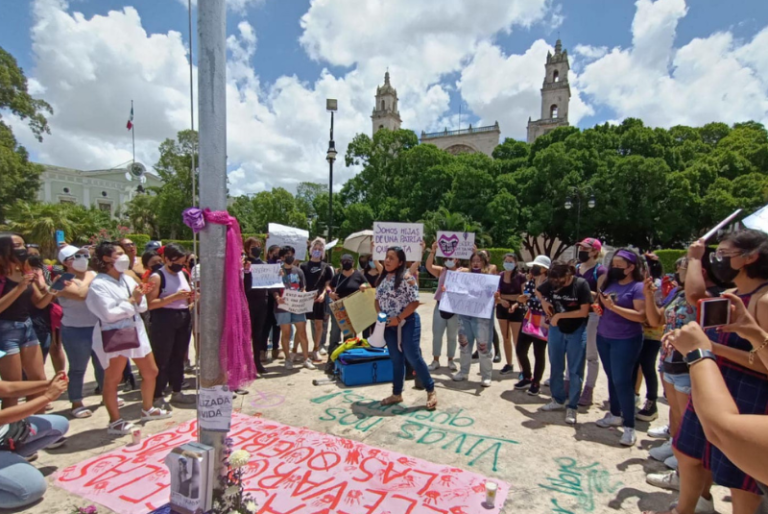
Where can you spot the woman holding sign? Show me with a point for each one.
(442, 321)
(397, 295)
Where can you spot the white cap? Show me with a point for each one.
(540, 260)
(67, 252)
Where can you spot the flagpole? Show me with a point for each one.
(133, 136)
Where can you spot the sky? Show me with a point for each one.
(667, 62)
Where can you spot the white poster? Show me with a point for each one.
(266, 276)
(281, 235)
(331, 245)
(407, 236)
(455, 245)
(214, 408)
(471, 294)
(298, 302)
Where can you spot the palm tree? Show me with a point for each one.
(141, 213)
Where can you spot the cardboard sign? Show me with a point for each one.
(298, 302)
(470, 294)
(455, 245)
(281, 235)
(720, 225)
(361, 309)
(292, 470)
(214, 408)
(339, 312)
(407, 236)
(331, 245)
(266, 276)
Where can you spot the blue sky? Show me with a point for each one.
(492, 68)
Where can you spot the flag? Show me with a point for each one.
(129, 125)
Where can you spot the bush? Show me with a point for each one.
(141, 241)
(669, 257)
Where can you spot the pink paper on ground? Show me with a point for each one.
(292, 470)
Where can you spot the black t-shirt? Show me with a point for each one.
(345, 286)
(568, 299)
(316, 274)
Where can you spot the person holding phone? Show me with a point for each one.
(535, 328)
(509, 312)
(620, 338)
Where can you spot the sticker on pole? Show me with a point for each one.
(214, 408)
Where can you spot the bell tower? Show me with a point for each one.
(385, 111)
(555, 95)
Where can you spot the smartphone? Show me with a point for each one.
(713, 312)
(58, 285)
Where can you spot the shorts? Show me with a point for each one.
(318, 311)
(682, 382)
(289, 318)
(15, 335)
(515, 317)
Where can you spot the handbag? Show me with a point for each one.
(18, 432)
(535, 325)
(121, 339)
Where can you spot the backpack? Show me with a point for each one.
(594, 270)
(18, 432)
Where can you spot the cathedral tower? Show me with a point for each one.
(385, 111)
(555, 95)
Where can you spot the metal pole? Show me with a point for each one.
(133, 137)
(578, 224)
(212, 108)
(196, 308)
(330, 185)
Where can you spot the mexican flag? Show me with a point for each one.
(129, 125)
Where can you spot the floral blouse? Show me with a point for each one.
(392, 302)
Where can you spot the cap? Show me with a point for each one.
(67, 252)
(540, 260)
(152, 245)
(347, 257)
(592, 243)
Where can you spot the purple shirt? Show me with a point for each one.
(614, 326)
(591, 275)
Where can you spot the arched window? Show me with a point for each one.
(383, 105)
(381, 127)
(553, 111)
(555, 76)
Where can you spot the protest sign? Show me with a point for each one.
(331, 245)
(361, 309)
(455, 245)
(214, 408)
(266, 276)
(281, 235)
(298, 302)
(470, 294)
(407, 236)
(720, 225)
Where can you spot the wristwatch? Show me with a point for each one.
(698, 354)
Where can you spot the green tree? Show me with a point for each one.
(175, 195)
(141, 213)
(306, 193)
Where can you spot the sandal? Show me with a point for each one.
(81, 413)
(431, 400)
(120, 427)
(392, 400)
(154, 413)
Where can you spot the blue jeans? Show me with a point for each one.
(411, 343)
(77, 342)
(20, 483)
(480, 330)
(573, 347)
(619, 357)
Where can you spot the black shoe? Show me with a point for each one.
(496, 359)
(523, 385)
(97, 391)
(475, 356)
(534, 390)
(260, 369)
(330, 368)
(648, 412)
(506, 370)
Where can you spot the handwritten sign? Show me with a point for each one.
(214, 408)
(331, 245)
(455, 245)
(407, 236)
(266, 276)
(281, 235)
(291, 470)
(298, 302)
(470, 294)
(361, 309)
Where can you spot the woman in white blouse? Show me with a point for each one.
(117, 300)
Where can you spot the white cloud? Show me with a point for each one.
(590, 52)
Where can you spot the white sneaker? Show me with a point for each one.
(315, 356)
(704, 506)
(609, 420)
(452, 366)
(662, 453)
(545, 383)
(323, 351)
(570, 416)
(671, 462)
(552, 406)
(308, 364)
(459, 377)
(668, 480)
(628, 438)
(486, 382)
(659, 432)
(637, 401)
(288, 364)
(434, 365)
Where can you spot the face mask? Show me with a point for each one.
(256, 252)
(35, 261)
(21, 254)
(288, 259)
(316, 254)
(371, 264)
(80, 265)
(583, 256)
(509, 266)
(450, 264)
(346, 265)
(536, 271)
(156, 267)
(617, 274)
(176, 267)
(723, 271)
(122, 264)
(475, 270)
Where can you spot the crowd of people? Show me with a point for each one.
(112, 307)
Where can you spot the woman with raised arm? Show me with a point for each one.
(442, 322)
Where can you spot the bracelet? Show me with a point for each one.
(754, 351)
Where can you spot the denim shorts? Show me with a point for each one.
(682, 382)
(15, 335)
(289, 318)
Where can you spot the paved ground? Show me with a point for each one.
(552, 467)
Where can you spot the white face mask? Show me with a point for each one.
(80, 265)
(450, 264)
(122, 264)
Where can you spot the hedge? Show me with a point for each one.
(669, 257)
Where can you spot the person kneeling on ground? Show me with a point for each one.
(23, 434)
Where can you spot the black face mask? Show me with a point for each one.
(616, 274)
(346, 265)
(723, 271)
(156, 267)
(536, 271)
(192, 264)
(35, 261)
(256, 252)
(21, 254)
(678, 279)
(288, 259)
(583, 256)
(176, 267)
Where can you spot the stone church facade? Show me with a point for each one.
(555, 95)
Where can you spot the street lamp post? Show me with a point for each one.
(330, 105)
(577, 194)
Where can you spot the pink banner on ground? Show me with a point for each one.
(292, 470)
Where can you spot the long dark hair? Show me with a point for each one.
(752, 242)
(103, 249)
(399, 271)
(561, 269)
(174, 251)
(8, 259)
(637, 274)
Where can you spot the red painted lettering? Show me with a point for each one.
(320, 461)
(276, 478)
